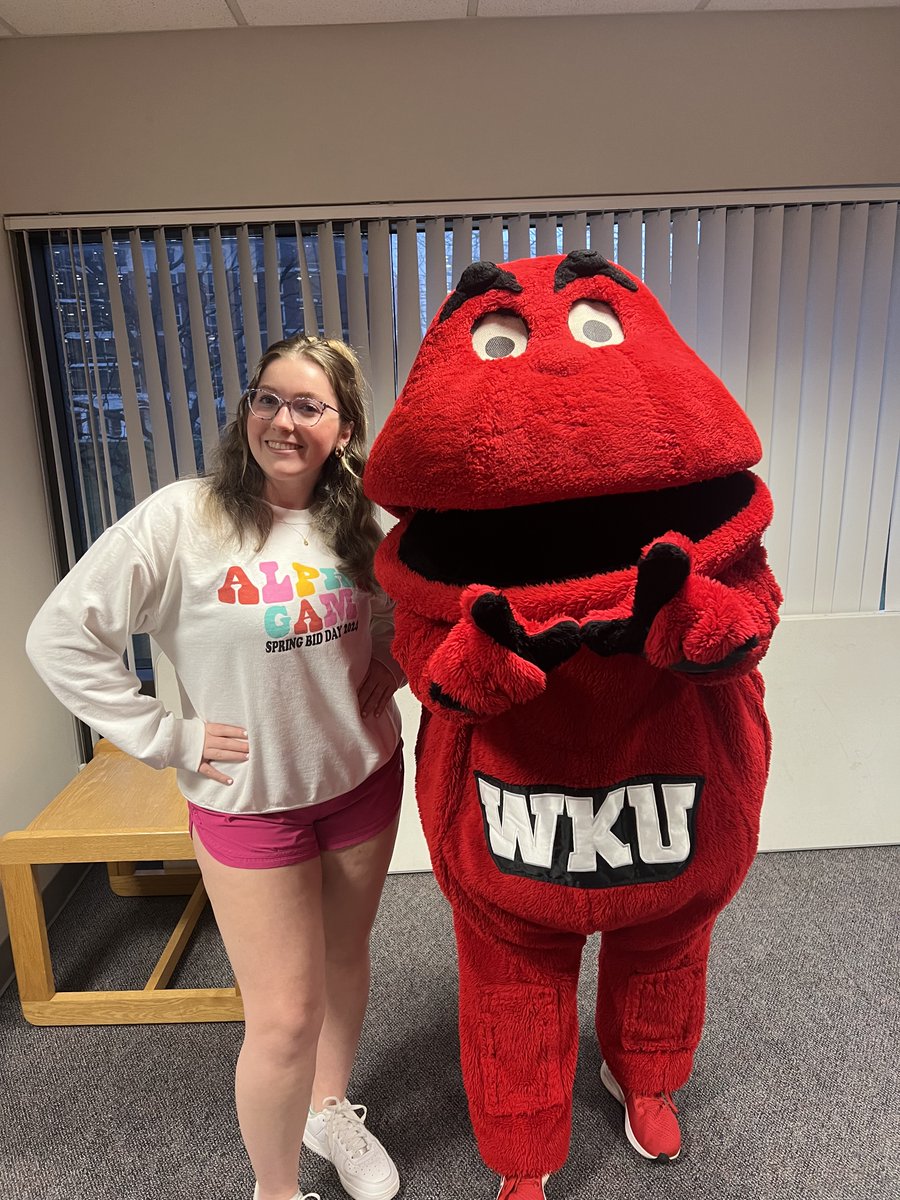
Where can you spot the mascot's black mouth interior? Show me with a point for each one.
(565, 539)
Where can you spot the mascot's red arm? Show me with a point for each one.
(484, 663)
(678, 619)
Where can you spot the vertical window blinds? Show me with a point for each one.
(143, 339)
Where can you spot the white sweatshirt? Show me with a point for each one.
(275, 641)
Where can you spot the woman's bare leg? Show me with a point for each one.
(352, 882)
(271, 923)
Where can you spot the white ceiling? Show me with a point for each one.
(42, 18)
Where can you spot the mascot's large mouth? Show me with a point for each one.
(565, 539)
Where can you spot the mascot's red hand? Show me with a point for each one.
(715, 629)
(661, 574)
(683, 621)
(489, 662)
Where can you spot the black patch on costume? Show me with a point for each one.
(551, 859)
(730, 660)
(475, 280)
(582, 264)
(439, 696)
(548, 649)
(564, 539)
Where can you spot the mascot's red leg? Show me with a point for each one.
(651, 998)
(518, 1025)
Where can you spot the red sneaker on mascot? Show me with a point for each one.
(582, 602)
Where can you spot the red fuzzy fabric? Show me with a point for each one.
(630, 723)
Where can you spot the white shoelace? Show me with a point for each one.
(347, 1122)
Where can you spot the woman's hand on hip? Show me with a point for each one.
(223, 743)
(376, 689)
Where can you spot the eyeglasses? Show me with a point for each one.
(305, 410)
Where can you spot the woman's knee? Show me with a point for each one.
(285, 1029)
(348, 954)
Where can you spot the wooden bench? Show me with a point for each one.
(119, 812)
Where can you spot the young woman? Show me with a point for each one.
(257, 583)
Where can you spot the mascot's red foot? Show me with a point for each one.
(651, 1122)
(582, 601)
(522, 1189)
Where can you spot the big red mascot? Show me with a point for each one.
(582, 602)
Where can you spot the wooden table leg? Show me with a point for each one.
(28, 932)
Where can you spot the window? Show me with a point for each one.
(144, 336)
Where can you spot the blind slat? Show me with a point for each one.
(490, 239)
(879, 544)
(409, 328)
(332, 318)
(274, 322)
(206, 403)
(575, 237)
(72, 419)
(137, 453)
(602, 231)
(851, 259)
(381, 329)
(48, 416)
(685, 272)
(92, 387)
(357, 317)
(462, 246)
(231, 374)
(657, 232)
(519, 229)
(711, 287)
(630, 248)
(249, 300)
(307, 297)
(156, 400)
(736, 301)
(545, 241)
(436, 283)
(173, 341)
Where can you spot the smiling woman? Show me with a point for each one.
(288, 751)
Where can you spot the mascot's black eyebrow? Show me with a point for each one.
(475, 280)
(581, 264)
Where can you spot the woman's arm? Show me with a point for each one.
(77, 642)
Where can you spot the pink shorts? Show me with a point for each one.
(281, 839)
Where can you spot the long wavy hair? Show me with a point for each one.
(342, 514)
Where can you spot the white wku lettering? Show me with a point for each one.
(527, 824)
(592, 834)
(678, 798)
(514, 828)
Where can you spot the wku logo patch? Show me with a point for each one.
(638, 831)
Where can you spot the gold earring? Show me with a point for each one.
(339, 452)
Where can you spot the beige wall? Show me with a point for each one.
(451, 109)
(399, 112)
(38, 739)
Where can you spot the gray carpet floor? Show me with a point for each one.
(795, 1094)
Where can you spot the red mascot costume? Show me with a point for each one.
(582, 602)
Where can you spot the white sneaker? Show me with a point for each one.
(364, 1167)
(308, 1196)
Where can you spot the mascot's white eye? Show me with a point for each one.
(499, 335)
(595, 324)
